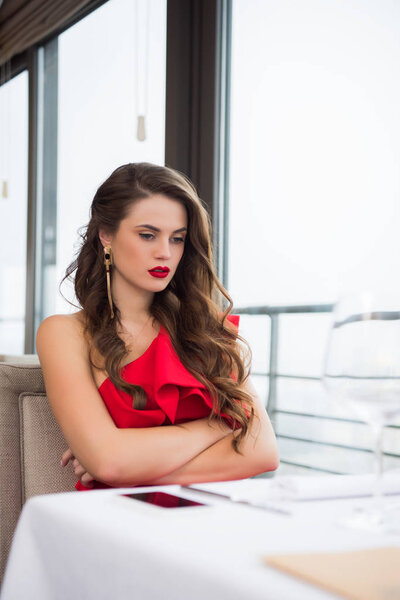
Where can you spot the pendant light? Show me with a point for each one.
(5, 115)
(142, 29)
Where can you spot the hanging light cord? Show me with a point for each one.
(142, 66)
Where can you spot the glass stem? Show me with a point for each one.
(377, 430)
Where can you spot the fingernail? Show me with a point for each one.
(61, 463)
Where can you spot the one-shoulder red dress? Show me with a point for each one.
(174, 395)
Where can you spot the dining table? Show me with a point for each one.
(103, 544)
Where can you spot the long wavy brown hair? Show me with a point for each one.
(190, 307)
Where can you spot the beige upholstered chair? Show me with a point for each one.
(31, 445)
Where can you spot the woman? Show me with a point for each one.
(147, 381)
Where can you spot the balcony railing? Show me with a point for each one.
(331, 448)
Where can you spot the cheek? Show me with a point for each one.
(181, 251)
(133, 248)
(130, 254)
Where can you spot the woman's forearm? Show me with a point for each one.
(220, 462)
(153, 452)
(193, 452)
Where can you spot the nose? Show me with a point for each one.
(163, 249)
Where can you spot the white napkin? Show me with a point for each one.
(302, 487)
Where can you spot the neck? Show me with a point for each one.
(133, 303)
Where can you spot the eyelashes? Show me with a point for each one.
(150, 236)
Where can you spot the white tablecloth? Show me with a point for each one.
(94, 545)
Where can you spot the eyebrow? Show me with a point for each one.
(156, 228)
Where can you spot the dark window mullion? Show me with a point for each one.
(32, 199)
(47, 176)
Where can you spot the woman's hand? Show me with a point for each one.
(85, 478)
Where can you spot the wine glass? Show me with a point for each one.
(362, 371)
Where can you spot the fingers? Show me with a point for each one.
(66, 457)
(87, 480)
(79, 470)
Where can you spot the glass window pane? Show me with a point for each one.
(311, 427)
(315, 149)
(13, 212)
(255, 329)
(302, 343)
(308, 397)
(103, 86)
(261, 384)
(339, 433)
(330, 459)
(314, 178)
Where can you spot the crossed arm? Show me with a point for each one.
(192, 451)
(218, 462)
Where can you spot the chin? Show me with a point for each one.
(160, 283)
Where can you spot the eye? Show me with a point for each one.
(150, 236)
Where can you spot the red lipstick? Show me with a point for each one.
(159, 271)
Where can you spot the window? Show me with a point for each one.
(314, 185)
(13, 212)
(102, 87)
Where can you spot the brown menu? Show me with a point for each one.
(372, 574)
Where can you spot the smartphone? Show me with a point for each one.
(162, 499)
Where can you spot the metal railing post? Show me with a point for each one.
(273, 364)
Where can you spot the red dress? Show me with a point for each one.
(173, 394)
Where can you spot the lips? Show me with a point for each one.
(159, 271)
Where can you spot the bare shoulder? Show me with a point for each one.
(74, 319)
(59, 329)
(61, 339)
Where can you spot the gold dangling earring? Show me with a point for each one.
(108, 262)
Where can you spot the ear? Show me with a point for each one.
(105, 238)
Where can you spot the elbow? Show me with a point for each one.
(271, 453)
(114, 475)
(269, 460)
(107, 464)
(272, 457)
(106, 472)
(266, 453)
(273, 463)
